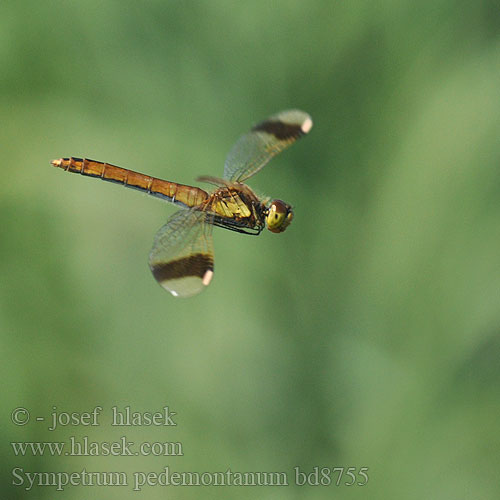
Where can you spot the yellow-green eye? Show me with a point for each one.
(279, 216)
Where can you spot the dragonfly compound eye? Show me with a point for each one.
(279, 217)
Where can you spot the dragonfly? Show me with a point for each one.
(182, 256)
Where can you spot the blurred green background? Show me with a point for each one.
(367, 335)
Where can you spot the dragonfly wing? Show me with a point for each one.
(254, 149)
(182, 257)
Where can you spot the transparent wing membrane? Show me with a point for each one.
(268, 138)
(182, 259)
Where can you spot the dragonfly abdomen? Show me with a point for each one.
(188, 196)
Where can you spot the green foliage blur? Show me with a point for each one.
(366, 335)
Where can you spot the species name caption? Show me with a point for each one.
(125, 417)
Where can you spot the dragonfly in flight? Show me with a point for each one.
(182, 258)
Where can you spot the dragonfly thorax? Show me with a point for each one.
(235, 206)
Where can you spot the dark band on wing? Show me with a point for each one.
(194, 265)
(281, 130)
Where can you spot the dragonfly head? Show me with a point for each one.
(279, 216)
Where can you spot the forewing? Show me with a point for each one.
(182, 258)
(254, 149)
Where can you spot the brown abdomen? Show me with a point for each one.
(189, 196)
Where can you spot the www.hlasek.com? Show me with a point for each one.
(81, 447)
(318, 476)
